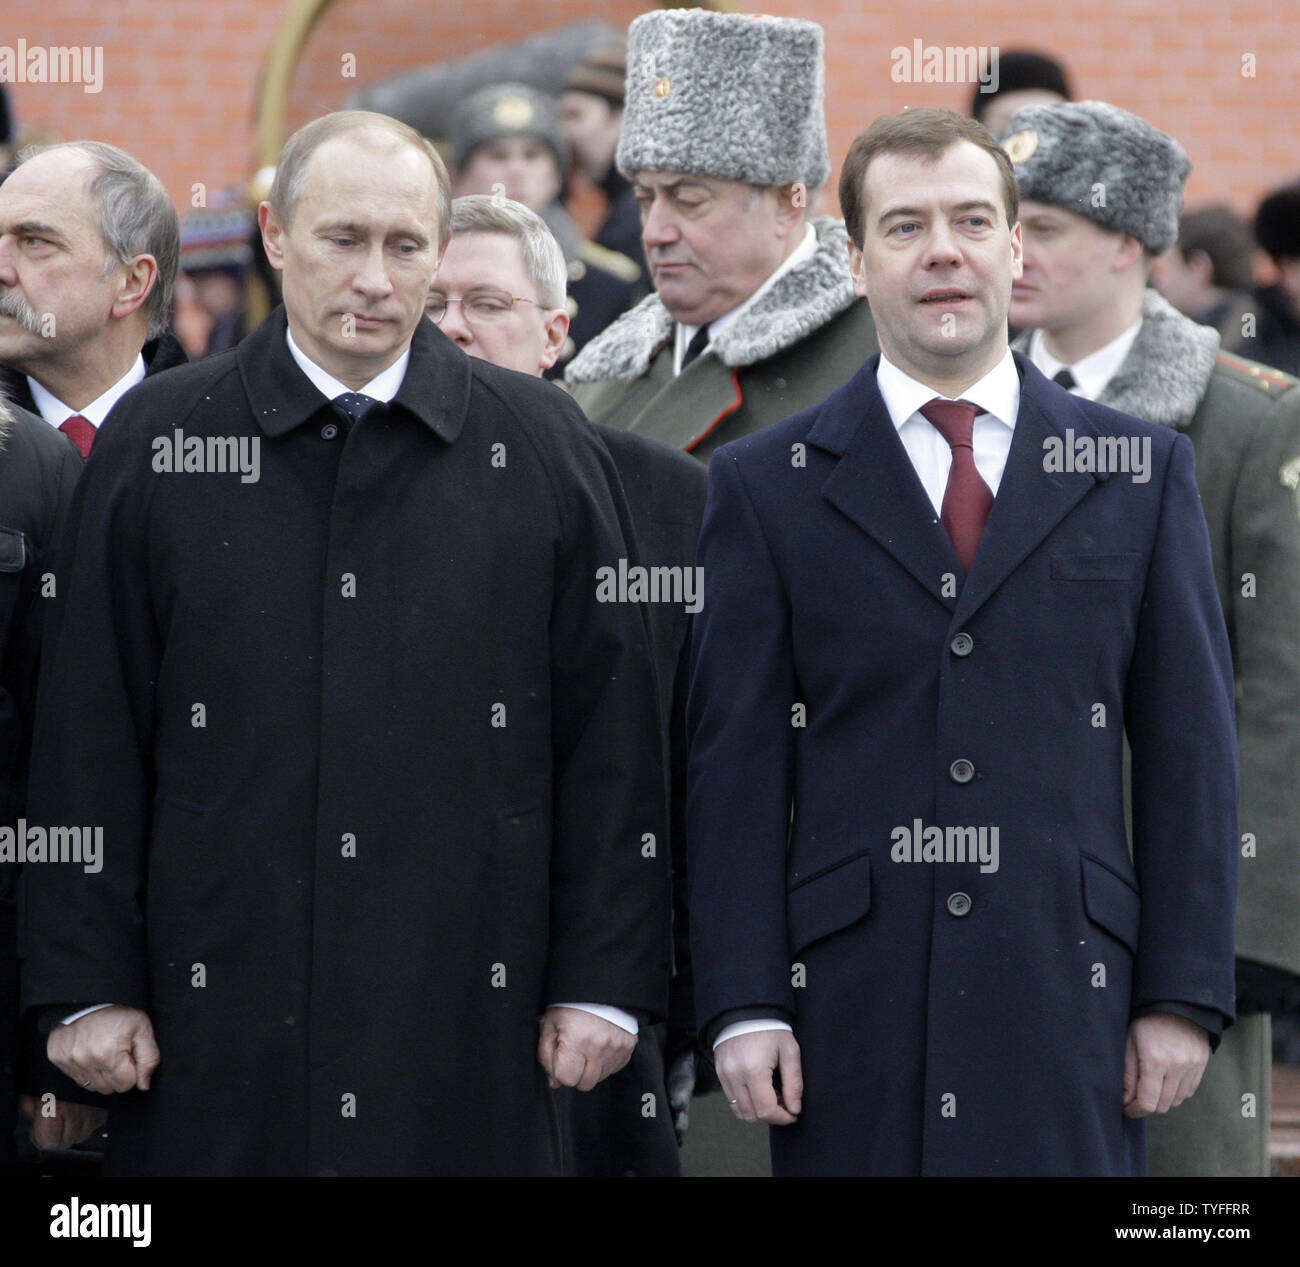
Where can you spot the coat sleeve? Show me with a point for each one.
(610, 911)
(81, 929)
(1179, 716)
(739, 773)
(1263, 600)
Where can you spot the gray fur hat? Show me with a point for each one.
(730, 95)
(1103, 163)
(506, 110)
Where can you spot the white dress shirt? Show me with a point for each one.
(384, 387)
(801, 253)
(56, 413)
(1095, 370)
(998, 396)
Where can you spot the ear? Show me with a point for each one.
(138, 279)
(556, 328)
(1017, 251)
(791, 207)
(858, 270)
(272, 234)
(1128, 251)
(1201, 265)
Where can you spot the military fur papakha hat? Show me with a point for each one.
(1103, 163)
(728, 95)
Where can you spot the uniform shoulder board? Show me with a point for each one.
(615, 262)
(1265, 377)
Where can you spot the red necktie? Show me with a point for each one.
(80, 432)
(967, 499)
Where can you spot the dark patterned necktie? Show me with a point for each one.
(1063, 378)
(699, 341)
(967, 498)
(81, 431)
(355, 405)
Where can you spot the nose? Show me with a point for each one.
(371, 277)
(942, 248)
(455, 327)
(659, 228)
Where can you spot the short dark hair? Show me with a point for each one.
(922, 132)
(1277, 223)
(1226, 240)
(1022, 70)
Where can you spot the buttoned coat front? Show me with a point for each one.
(958, 1017)
(373, 767)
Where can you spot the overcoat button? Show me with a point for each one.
(958, 904)
(962, 644)
(961, 771)
(329, 431)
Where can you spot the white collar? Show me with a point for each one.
(806, 249)
(996, 394)
(56, 413)
(1095, 370)
(383, 386)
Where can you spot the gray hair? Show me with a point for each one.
(135, 217)
(291, 170)
(543, 258)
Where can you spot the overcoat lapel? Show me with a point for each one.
(876, 485)
(1030, 501)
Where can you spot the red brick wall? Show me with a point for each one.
(180, 79)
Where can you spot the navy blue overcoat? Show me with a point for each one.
(852, 690)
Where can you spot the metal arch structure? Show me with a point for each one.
(300, 19)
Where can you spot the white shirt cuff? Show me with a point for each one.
(85, 1011)
(614, 1015)
(749, 1027)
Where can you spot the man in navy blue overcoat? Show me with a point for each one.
(921, 943)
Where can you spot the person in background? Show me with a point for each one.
(1207, 274)
(1277, 230)
(591, 115)
(506, 139)
(1024, 78)
(93, 247)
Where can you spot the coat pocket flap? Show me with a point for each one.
(13, 550)
(831, 900)
(1096, 567)
(1111, 902)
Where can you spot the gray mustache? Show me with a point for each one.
(14, 305)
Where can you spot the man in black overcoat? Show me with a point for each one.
(367, 754)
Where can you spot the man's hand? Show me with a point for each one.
(1163, 1062)
(745, 1065)
(69, 1124)
(106, 1051)
(579, 1049)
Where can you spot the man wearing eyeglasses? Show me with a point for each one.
(499, 295)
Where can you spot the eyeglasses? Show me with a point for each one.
(485, 306)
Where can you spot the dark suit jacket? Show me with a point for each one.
(958, 1018)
